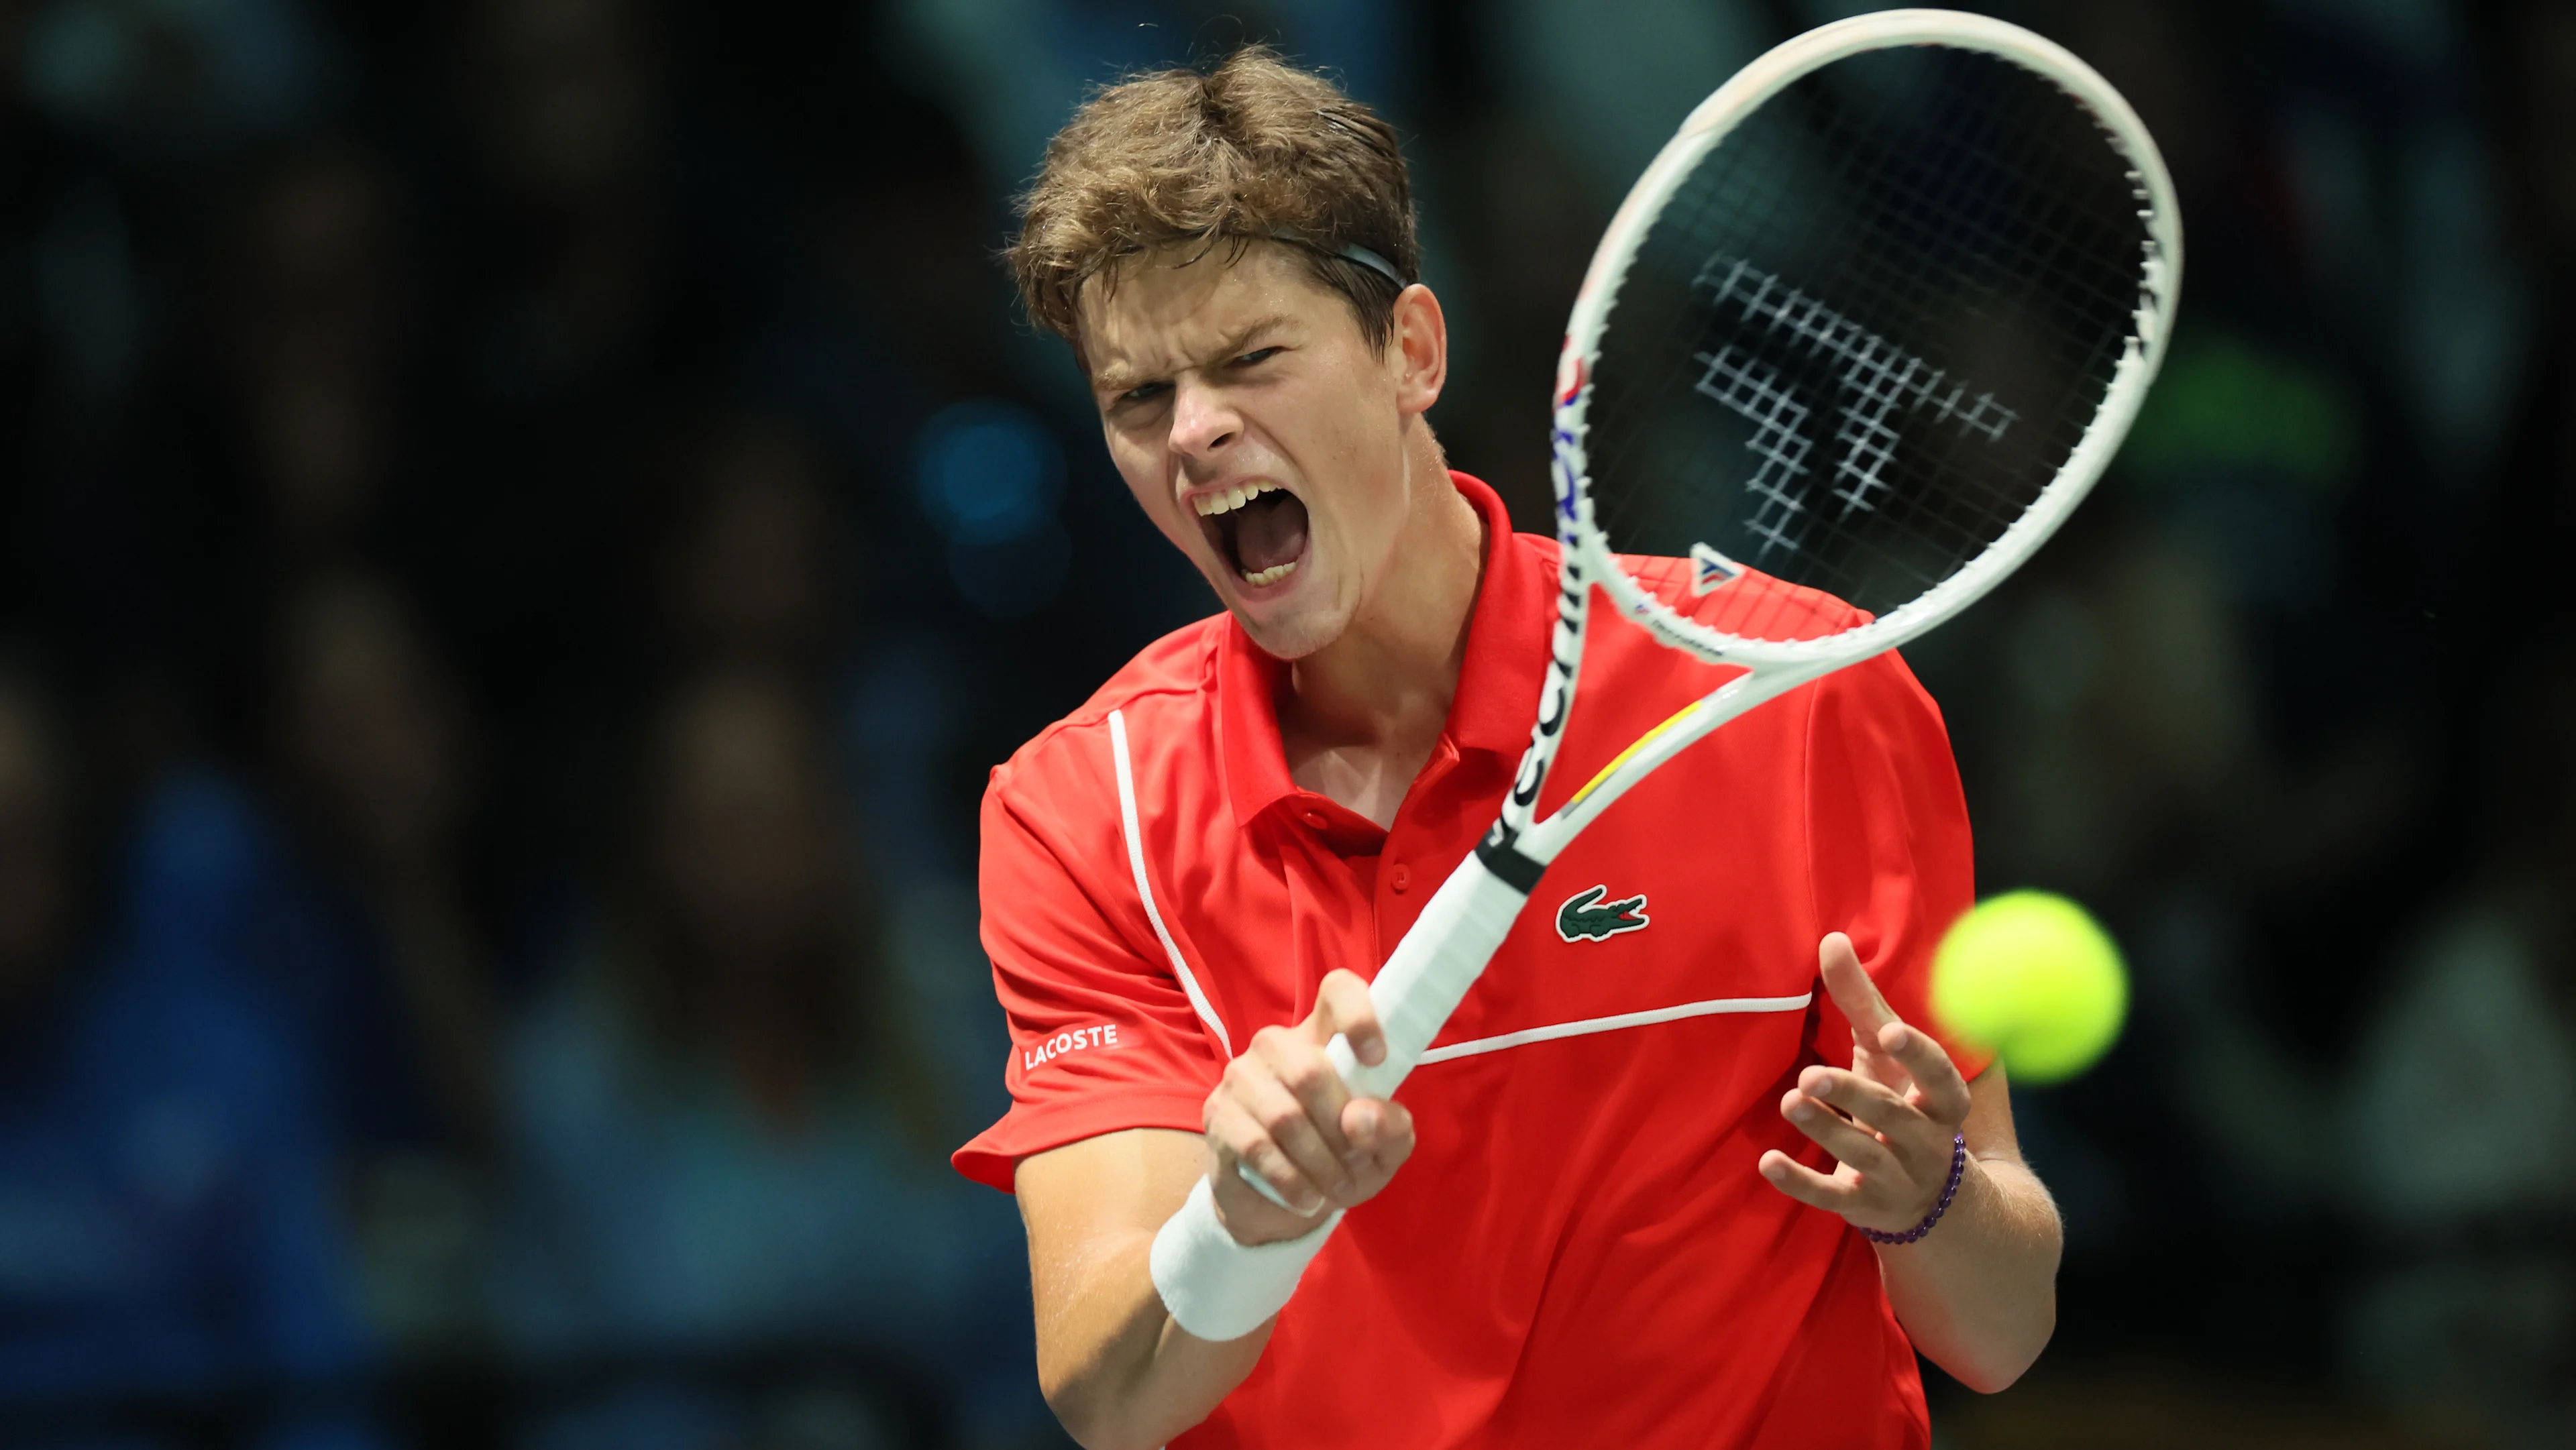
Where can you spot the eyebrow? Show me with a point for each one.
(1119, 380)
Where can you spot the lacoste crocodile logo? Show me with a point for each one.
(1584, 916)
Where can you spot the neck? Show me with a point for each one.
(1361, 715)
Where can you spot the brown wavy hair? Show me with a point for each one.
(1253, 150)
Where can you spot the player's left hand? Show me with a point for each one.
(1889, 1120)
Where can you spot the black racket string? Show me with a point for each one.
(1882, 295)
(1867, 332)
(1882, 279)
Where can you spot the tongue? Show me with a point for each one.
(1273, 532)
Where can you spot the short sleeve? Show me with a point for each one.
(1888, 838)
(1103, 1037)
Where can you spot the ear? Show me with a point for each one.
(1418, 350)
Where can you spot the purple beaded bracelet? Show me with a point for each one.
(1950, 1190)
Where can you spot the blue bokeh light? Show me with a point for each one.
(988, 473)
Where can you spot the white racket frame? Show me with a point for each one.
(1466, 920)
(1587, 550)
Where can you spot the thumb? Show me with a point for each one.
(1343, 1005)
(1850, 986)
(1858, 998)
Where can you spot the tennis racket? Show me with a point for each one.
(1858, 340)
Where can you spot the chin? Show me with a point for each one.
(1292, 634)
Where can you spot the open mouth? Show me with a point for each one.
(1259, 529)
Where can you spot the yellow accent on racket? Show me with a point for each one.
(1642, 742)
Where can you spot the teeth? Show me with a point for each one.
(1271, 575)
(1227, 501)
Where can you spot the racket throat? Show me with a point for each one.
(1503, 857)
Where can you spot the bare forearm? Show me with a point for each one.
(1115, 1363)
(1978, 1294)
(1115, 1368)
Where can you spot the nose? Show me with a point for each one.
(1203, 421)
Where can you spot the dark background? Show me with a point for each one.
(523, 525)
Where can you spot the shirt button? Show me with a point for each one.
(1399, 878)
(1315, 819)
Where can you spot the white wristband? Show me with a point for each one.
(1217, 1288)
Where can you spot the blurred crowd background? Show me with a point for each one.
(523, 524)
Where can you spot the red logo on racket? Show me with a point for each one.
(1709, 568)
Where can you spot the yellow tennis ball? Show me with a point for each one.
(2035, 980)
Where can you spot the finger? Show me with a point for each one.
(1363, 1124)
(1379, 1127)
(1851, 988)
(1381, 1135)
(1314, 1167)
(1343, 1005)
(1863, 1006)
(1240, 1138)
(1805, 1184)
(1854, 1146)
(1866, 1099)
(1942, 1093)
(1301, 1067)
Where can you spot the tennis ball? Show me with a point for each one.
(2034, 979)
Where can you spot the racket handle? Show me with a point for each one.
(1460, 928)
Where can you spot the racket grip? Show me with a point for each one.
(1440, 958)
(1460, 929)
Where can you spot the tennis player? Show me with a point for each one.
(1653, 1186)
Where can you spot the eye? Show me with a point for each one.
(1257, 355)
(1143, 393)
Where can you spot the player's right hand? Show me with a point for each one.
(1283, 1110)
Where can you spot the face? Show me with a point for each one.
(1260, 431)
(746, 846)
(373, 731)
(748, 577)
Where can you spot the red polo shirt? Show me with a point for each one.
(1580, 1251)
